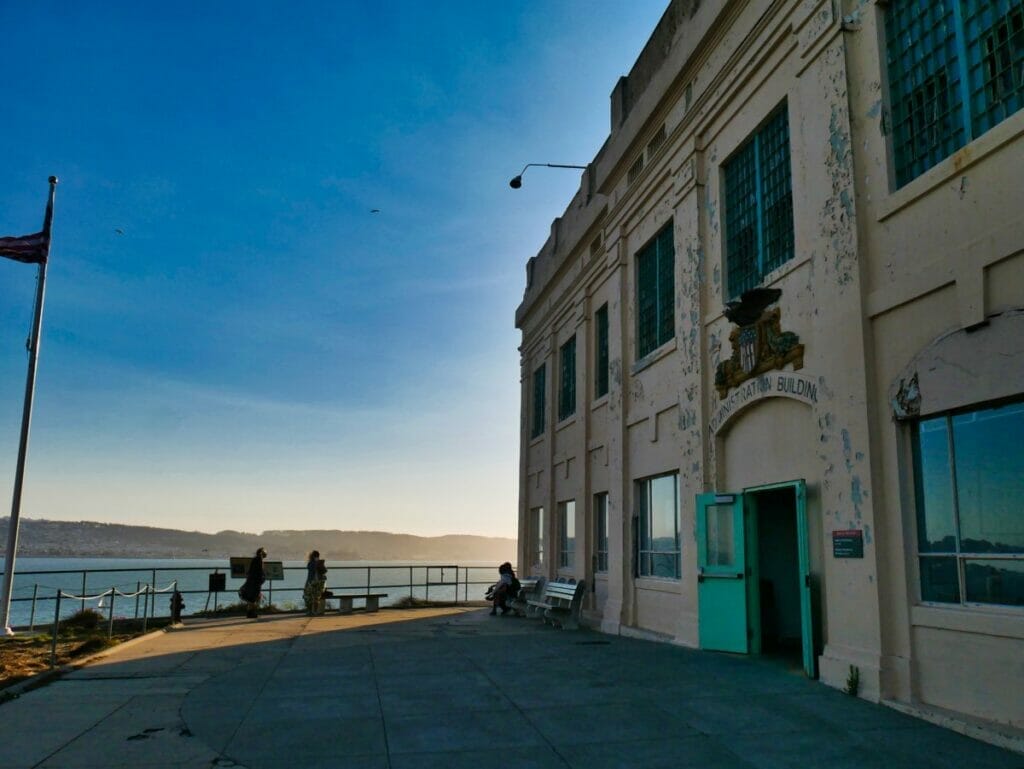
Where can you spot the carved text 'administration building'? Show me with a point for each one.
(773, 351)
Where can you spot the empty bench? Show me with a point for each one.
(372, 601)
(560, 603)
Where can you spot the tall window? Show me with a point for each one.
(537, 531)
(601, 531)
(655, 293)
(956, 68)
(539, 385)
(567, 380)
(601, 351)
(759, 205)
(567, 533)
(969, 475)
(658, 502)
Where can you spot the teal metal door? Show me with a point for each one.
(803, 548)
(721, 573)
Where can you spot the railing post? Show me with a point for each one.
(145, 610)
(84, 574)
(56, 628)
(270, 593)
(32, 616)
(138, 589)
(110, 619)
(410, 584)
(152, 604)
(426, 584)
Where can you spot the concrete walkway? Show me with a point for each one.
(452, 688)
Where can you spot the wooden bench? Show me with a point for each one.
(345, 601)
(560, 603)
(530, 588)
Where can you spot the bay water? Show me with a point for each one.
(43, 577)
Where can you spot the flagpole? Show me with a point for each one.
(26, 419)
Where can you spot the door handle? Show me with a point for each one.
(702, 575)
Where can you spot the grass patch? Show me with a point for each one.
(25, 656)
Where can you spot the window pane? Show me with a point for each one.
(655, 293)
(994, 36)
(939, 580)
(935, 528)
(666, 286)
(924, 85)
(741, 221)
(567, 380)
(776, 192)
(992, 581)
(720, 535)
(568, 531)
(663, 512)
(646, 302)
(601, 358)
(601, 515)
(990, 479)
(538, 401)
(538, 534)
(659, 530)
(663, 565)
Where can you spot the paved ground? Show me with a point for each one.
(452, 688)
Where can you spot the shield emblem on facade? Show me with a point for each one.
(748, 348)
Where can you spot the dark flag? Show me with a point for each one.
(30, 249)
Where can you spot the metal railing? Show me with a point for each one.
(441, 583)
(113, 593)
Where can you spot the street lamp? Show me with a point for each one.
(517, 181)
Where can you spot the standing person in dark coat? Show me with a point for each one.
(254, 579)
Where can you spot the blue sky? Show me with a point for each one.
(256, 349)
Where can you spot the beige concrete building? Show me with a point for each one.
(773, 350)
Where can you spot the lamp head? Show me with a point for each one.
(516, 182)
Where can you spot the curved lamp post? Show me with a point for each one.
(517, 181)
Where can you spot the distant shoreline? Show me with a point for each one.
(40, 538)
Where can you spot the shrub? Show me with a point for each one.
(87, 619)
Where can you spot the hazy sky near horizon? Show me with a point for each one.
(231, 339)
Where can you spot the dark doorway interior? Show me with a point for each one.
(779, 574)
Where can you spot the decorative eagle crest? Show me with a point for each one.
(758, 342)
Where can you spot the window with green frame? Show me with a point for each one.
(969, 487)
(539, 386)
(655, 293)
(759, 205)
(956, 69)
(658, 509)
(601, 351)
(567, 380)
(601, 532)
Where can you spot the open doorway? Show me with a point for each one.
(778, 575)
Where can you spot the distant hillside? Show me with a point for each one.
(111, 540)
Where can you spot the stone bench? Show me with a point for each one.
(345, 601)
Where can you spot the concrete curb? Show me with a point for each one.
(984, 732)
(42, 679)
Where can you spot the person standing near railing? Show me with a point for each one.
(255, 576)
(316, 581)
